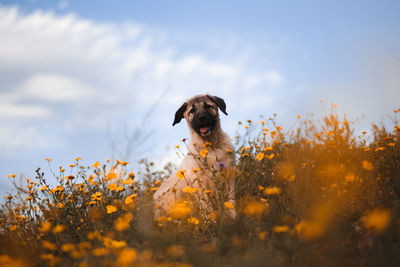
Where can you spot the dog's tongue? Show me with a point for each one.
(204, 129)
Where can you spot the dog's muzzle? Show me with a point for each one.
(204, 124)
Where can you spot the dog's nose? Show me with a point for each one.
(202, 118)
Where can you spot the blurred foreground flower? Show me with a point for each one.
(180, 210)
(377, 220)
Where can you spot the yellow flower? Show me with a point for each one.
(67, 247)
(367, 165)
(98, 252)
(377, 220)
(193, 220)
(129, 199)
(45, 227)
(190, 190)
(260, 156)
(272, 190)
(270, 156)
(44, 188)
(123, 222)
(268, 148)
(128, 181)
(280, 229)
(181, 174)
(111, 175)
(112, 187)
(110, 243)
(58, 228)
(48, 159)
(48, 245)
(254, 209)
(93, 235)
(298, 116)
(207, 144)
(111, 209)
(96, 164)
(97, 196)
(229, 205)
(310, 229)
(195, 170)
(13, 227)
(204, 153)
(126, 256)
(262, 235)
(245, 155)
(77, 158)
(349, 177)
(180, 210)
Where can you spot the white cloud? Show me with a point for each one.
(21, 138)
(83, 75)
(50, 87)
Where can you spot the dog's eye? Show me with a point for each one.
(207, 106)
(192, 110)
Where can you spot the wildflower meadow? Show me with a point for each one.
(317, 194)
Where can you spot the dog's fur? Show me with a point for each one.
(202, 117)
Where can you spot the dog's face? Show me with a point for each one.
(201, 113)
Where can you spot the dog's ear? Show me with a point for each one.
(179, 114)
(220, 103)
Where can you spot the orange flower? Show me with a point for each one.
(180, 210)
(96, 164)
(181, 174)
(377, 220)
(129, 199)
(272, 190)
(48, 245)
(45, 227)
(193, 220)
(111, 209)
(281, 229)
(204, 153)
(367, 165)
(195, 170)
(123, 222)
(58, 228)
(270, 156)
(229, 205)
(260, 156)
(126, 256)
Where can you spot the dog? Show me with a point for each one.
(208, 164)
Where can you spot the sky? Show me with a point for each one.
(79, 78)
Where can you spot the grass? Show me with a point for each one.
(317, 195)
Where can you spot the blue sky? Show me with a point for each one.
(78, 76)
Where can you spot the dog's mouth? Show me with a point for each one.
(205, 130)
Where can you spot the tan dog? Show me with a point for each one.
(200, 174)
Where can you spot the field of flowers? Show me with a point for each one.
(318, 194)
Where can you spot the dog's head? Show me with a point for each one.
(201, 113)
